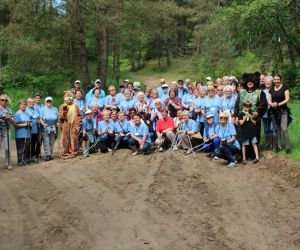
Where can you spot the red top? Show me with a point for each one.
(162, 124)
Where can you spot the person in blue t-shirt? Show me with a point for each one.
(90, 94)
(111, 101)
(106, 132)
(120, 95)
(49, 124)
(96, 99)
(88, 131)
(211, 104)
(210, 136)
(22, 124)
(229, 145)
(140, 137)
(122, 131)
(78, 100)
(35, 147)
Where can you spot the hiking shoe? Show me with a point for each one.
(9, 167)
(160, 149)
(244, 162)
(47, 158)
(135, 153)
(216, 158)
(109, 149)
(232, 164)
(288, 151)
(189, 151)
(255, 161)
(175, 147)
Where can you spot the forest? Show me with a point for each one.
(46, 43)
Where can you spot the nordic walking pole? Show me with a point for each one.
(8, 144)
(191, 145)
(29, 145)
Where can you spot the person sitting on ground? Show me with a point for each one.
(49, 123)
(248, 131)
(22, 124)
(210, 136)
(111, 101)
(140, 137)
(106, 132)
(122, 130)
(173, 103)
(88, 131)
(189, 133)
(229, 145)
(164, 130)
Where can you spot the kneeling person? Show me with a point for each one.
(211, 138)
(88, 131)
(140, 137)
(105, 131)
(164, 130)
(122, 131)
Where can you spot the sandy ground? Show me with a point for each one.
(171, 202)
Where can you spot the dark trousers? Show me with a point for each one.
(22, 145)
(35, 145)
(106, 142)
(227, 152)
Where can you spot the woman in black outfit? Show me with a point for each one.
(279, 97)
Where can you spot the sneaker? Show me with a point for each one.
(288, 151)
(255, 161)
(211, 155)
(175, 147)
(244, 162)
(160, 149)
(216, 158)
(47, 158)
(9, 167)
(109, 150)
(189, 151)
(135, 153)
(232, 164)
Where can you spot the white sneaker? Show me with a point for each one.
(232, 164)
(109, 149)
(135, 153)
(216, 158)
(160, 149)
(189, 151)
(175, 147)
(9, 167)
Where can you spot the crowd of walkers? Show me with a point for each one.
(222, 118)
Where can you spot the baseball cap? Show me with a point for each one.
(48, 98)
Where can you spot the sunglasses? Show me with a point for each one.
(221, 118)
(3, 100)
(162, 82)
(49, 101)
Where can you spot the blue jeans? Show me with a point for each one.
(210, 147)
(123, 140)
(268, 127)
(134, 143)
(227, 152)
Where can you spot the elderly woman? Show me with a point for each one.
(228, 100)
(189, 133)
(173, 103)
(229, 145)
(106, 132)
(111, 101)
(156, 113)
(22, 124)
(178, 119)
(5, 120)
(35, 147)
(49, 122)
(164, 130)
(211, 104)
(266, 119)
(154, 96)
(127, 103)
(141, 105)
(147, 94)
(278, 100)
(121, 130)
(96, 99)
(78, 100)
(140, 137)
(188, 98)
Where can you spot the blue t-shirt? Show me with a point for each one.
(103, 125)
(126, 105)
(34, 116)
(191, 125)
(120, 97)
(226, 132)
(123, 127)
(227, 105)
(188, 99)
(181, 92)
(163, 98)
(212, 129)
(140, 130)
(38, 107)
(90, 94)
(80, 103)
(160, 91)
(49, 115)
(23, 132)
(198, 105)
(212, 106)
(88, 126)
(100, 102)
(110, 100)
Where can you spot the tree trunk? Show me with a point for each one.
(82, 45)
(98, 53)
(140, 59)
(104, 58)
(72, 62)
(117, 61)
(168, 57)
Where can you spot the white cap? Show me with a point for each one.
(48, 98)
(136, 84)
(88, 112)
(77, 81)
(165, 85)
(208, 78)
(127, 80)
(98, 81)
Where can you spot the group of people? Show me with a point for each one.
(222, 118)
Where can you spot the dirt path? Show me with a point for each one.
(152, 81)
(132, 203)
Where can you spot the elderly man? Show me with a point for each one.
(164, 130)
(140, 137)
(189, 133)
(90, 94)
(160, 89)
(77, 86)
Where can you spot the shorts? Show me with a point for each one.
(246, 142)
